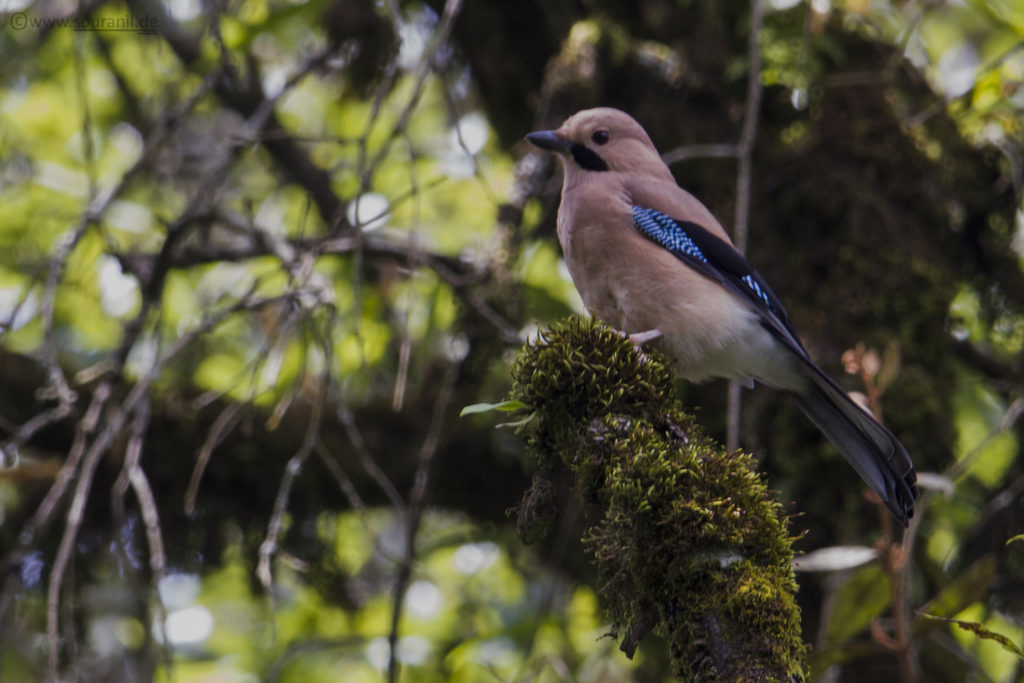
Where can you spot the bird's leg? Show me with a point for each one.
(641, 338)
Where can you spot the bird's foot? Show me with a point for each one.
(641, 338)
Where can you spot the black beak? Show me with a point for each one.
(549, 139)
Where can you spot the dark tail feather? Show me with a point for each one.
(870, 448)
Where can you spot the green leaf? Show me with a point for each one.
(835, 558)
(963, 591)
(1018, 537)
(504, 406)
(980, 631)
(864, 597)
(519, 423)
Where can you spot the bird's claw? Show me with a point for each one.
(641, 338)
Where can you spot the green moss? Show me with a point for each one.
(688, 543)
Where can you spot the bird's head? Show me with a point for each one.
(602, 139)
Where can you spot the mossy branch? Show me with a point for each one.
(687, 540)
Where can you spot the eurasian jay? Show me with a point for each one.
(649, 259)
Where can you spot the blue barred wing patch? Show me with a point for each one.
(757, 290)
(664, 230)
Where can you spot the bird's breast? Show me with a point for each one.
(636, 285)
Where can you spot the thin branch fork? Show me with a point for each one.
(270, 543)
(414, 514)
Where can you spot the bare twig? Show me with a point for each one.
(9, 448)
(426, 67)
(355, 437)
(348, 488)
(875, 375)
(133, 475)
(414, 514)
(88, 151)
(895, 558)
(721, 151)
(58, 382)
(270, 543)
(83, 430)
(478, 172)
(1010, 416)
(351, 494)
(405, 347)
(745, 150)
(222, 426)
(75, 515)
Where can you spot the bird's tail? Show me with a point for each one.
(870, 448)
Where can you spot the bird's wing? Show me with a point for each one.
(715, 258)
(872, 449)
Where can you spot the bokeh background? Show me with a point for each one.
(256, 256)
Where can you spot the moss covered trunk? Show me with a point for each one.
(687, 540)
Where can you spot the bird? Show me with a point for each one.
(649, 259)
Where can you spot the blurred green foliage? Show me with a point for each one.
(123, 147)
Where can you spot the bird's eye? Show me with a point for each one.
(600, 136)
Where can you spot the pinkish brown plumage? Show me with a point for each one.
(648, 258)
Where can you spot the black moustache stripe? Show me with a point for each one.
(588, 159)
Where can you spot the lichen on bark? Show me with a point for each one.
(687, 539)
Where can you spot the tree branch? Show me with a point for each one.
(247, 99)
(687, 540)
